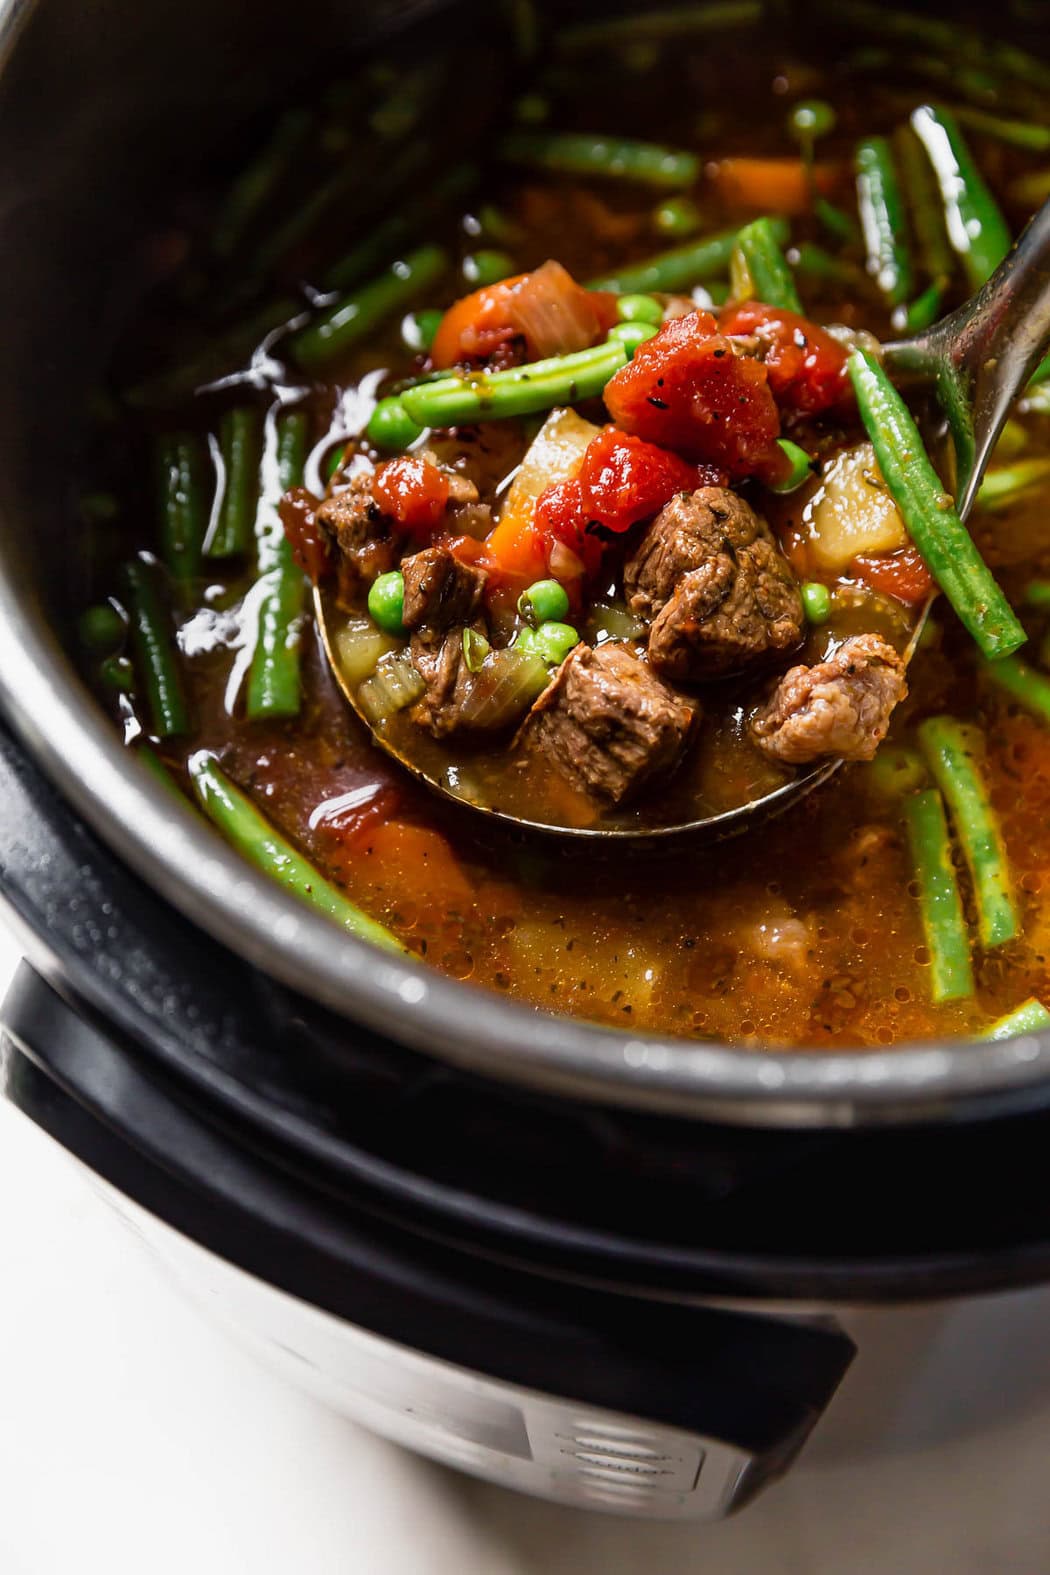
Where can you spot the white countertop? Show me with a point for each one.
(134, 1440)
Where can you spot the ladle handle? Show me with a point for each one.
(992, 344)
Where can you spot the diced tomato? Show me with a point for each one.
(901, 574)
(413, 491)
(626, 479)
(562, 515)
(298, 511)
(686, 389)
(806, 365)
(546, 308)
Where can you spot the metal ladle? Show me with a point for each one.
(977, 361)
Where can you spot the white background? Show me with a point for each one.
(136, 1441)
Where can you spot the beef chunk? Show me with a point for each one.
(839, 707)
(362, 536)
(443, 668)
(718, 591)
(608, 723)
(439, 591)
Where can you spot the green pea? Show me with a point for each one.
(546, 601)
(418, 329)
(386, 602)
(810, 119)
(631, 335)
(816, 602)
(640, 309)
(116, 672)
(101, 629)
(487, 267)
(677, 216)
(391, 426)
(553, 641)
(800, 463)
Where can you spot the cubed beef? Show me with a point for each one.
(718, 591)
(840, 707)
(363, 538)
(442, 665)
(439, 591)
(608, 723)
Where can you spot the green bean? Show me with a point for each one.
(518, 391)
(260, 179)
(953, 752)
(183, 517)
(356, 315)
(882, 217)
(676, 216)
(273, 678)
(1023, 684)
(929, 514)
(172, 384)
(682, 266)
(800, 468)
(239, 447)
(1016, 133)
(1041, 373)
(676, 23)
(1037, 594)
(1004, 485)
(154, 648)
(815, 262)
(765, 267)
(976, 227)
(1029, 1018)
(580, 153)
(256, 840)
(926, 211)
(487, 266)
(383, 241)
(940, 906)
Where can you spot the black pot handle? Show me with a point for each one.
(590, 1396)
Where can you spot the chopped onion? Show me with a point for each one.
(358, 647)
(555, 315)
(613, 621)
(555, 454)
(394, 685)
(506, 686)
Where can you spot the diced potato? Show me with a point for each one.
(851, 512)
(555, 454)
(358, 647)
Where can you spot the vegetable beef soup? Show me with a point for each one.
(582, 442)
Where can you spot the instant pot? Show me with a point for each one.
(624, 1272)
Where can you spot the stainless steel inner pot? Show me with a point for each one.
(99, 103)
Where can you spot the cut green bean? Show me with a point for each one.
(233, 518)
(344, 324)
(256, 840)
(764, 266)
(801, 467)
(976, 227)
(383, 241)
(183, 515)
(882, 217)
(896, 770)
(676, 216)
(579, 153)
(926, 211)
(1007, 483)
(954, 753)
(1015, 133)
(811, 261)
(256, 185)
(518, 391)
(1031, 1017)
(1023, 684)
(925, 309)
(274, 688)
(940, 906)
(153, 645)
(928, 512)
(683, 266)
